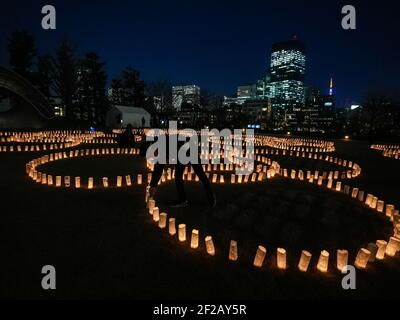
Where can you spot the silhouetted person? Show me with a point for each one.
(127, 138)
(179, 171)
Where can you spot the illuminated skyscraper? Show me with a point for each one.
(288, 66)
(331, 87)
(185, 94)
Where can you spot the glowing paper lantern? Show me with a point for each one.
(139, 179)
(260, 256)
(77, 182)
(392, 247)
(330, 182)
(162, 223)
(380, 206)
(90, 183)
(156, 214)
(105, 182)
(373, 248)
(342, 259)
(362, 258)
(281, 258)
(119, 181)
(338, 186)
(182, 232)
(58, 181)
(323, 261)
(50, 180)
(368, 200)
(374, 202)
(128, 180)
(389, 210)
(233, 251)
(210, 246)
(67, 181)
(171, 226)
(194, 242)
(354, 193)
(151, 205)
(304, 261)
(380, 254)
(233, 178)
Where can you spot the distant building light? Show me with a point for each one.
(328, 104)
(347, 137)
(355, 106)
(288, 133)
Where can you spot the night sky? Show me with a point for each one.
(222, 45)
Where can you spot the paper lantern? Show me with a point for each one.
(392, 247)
(50, 180)
(260, 256)
(67, 181)
(320, 180)
(362, 258)
(44, 178)
(105, 182)
(368, 200)
(342, 257)
(139, 179)
(156, 214)
(90, 183)
(182, 232)
(323, 261)
(281, 258)
(119, 181)
(58, 181)
(330, 182)
(171, 226)
(374, 203)
(162, 223)
(389, 210)
(361, 196)
(128, 180)
(380, 254)
(373, 248)
(77, 182)
(151, 205)
(233, 177)
(233, 251)
(354, 193)
(194, 242)
(304, 261)
(210, 246)
(338, 186)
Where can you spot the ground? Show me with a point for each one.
(104, 244)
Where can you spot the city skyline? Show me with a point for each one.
(220, 59)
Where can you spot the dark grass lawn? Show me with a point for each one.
(104, 245)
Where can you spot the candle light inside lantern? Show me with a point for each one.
(156, 214)
(380, 254)
(194, 242)
(139, 179)
(362, 258)
(210, 246)
(77, 182)
(260, 256)
(338, 186)
(281, 258)
(105, 182)
(58, 181)
(233, 251)
(171, 226)
(151, 205)
(323, 261)
(128, 180)
(162, 223)
(182, 232)
(67, 181)
(50, 180)
(119, 181)
(342, 259)
(304, 260)
(90, 183)
(392, 247)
